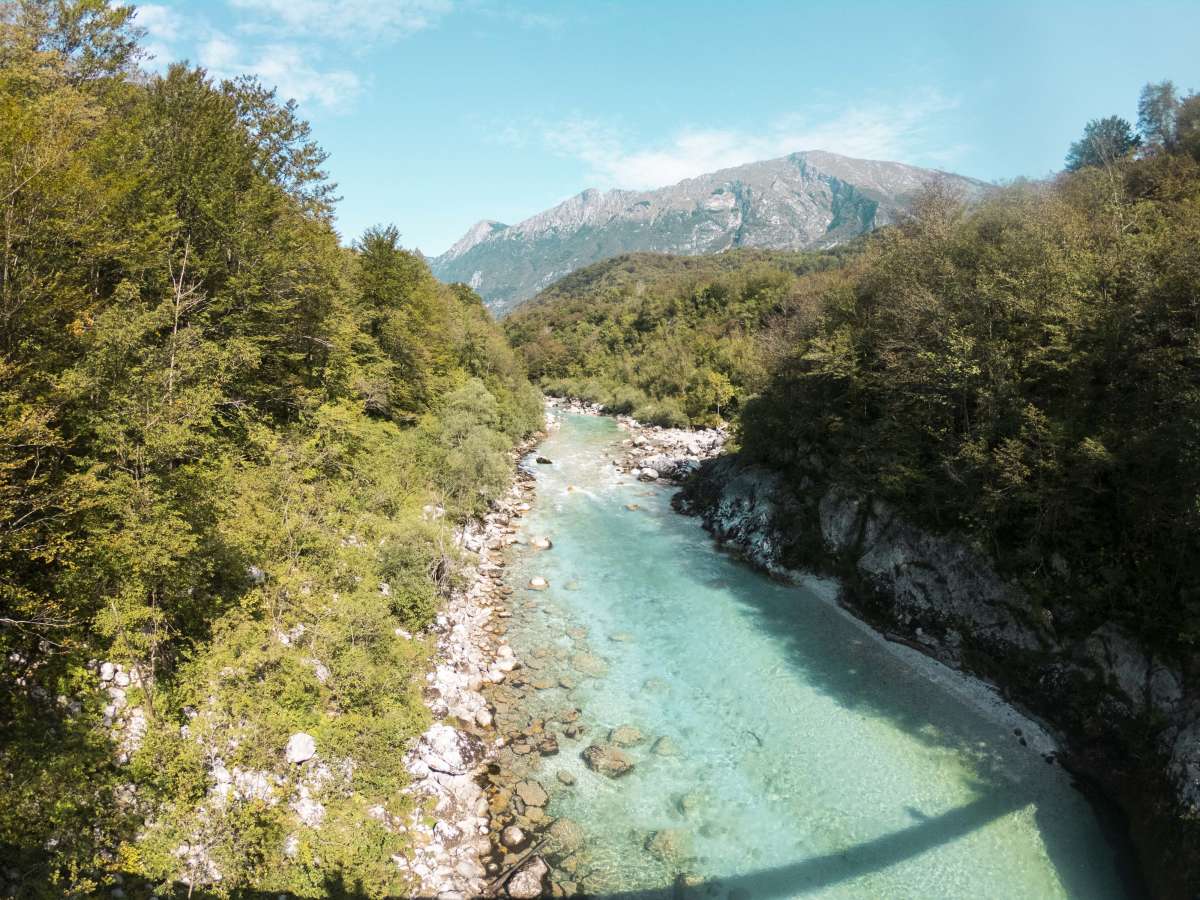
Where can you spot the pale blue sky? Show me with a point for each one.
(439, 113)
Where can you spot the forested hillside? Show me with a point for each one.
(1025, 370)
(230, 455)
(674, 340)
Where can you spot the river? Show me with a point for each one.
(806, 757)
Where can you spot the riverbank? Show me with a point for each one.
(452, 857)
(1121, 719)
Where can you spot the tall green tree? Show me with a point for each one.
(1104, 142)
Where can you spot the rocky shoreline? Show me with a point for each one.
(484, 770)
(454, 857)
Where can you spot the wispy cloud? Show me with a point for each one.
(287, 67)
(163, 27)
(905, 131)
(365, 21)
(288, 44)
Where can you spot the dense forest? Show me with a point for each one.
(231, 452)
(1025, 370)
(673, 340)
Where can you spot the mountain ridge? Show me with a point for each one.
(805, 200)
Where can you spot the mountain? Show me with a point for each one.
(804, 201)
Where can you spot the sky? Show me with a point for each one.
(439, 113)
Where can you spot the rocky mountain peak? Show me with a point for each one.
(807, 200)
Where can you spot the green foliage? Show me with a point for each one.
(1024, 373)
(671, 340)
(1104, 142)
(219, 434)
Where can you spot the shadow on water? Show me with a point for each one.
(796, 879)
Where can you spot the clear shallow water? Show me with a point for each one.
(813, 761)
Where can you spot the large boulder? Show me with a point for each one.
(450, 751)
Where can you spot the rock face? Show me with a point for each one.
(806, 200)
(1129, 719)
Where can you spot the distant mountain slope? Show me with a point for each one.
(804, 201)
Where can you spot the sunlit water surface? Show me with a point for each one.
(813, 761)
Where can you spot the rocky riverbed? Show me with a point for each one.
(455, 857)
(653, 453)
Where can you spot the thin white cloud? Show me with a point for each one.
(287, 67)
(361, 21)
(161, 22)
(904, 131)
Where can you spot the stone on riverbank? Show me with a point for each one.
(301, 747)
(531, 793)
(513, 838)
(529, 881)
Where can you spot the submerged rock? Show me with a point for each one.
(607, 760)
(538, 583)
(664, 746)
(566, 836)
(589, 664)
(672, 846)
(626, 736)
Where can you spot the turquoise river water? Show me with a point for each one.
(814, 759)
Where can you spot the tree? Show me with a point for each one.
(1158, 107)
(1187, 126)
(94, 38)
(1104, 142)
